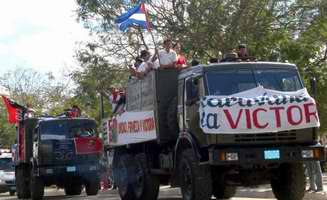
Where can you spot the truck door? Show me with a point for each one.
(193, 92)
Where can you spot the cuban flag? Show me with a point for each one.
(135, 16)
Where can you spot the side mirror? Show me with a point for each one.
(35, 134)
(313, 86)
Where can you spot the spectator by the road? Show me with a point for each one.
(323, 162)
(315, 176)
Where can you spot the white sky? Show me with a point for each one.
(39, 34)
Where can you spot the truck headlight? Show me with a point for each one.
(307, 154)
(231, 156)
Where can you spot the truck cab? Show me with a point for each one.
(58, 151)
(215, 128)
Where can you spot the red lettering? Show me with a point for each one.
(231, 122)
(248, 118)
(148, 124)
(255, 118)
(290, 116)
(277, 115)
(308, 114)
(136, 126)
(122, 128)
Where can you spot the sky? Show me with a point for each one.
(39, 34)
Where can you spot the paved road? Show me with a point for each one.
(167, 193)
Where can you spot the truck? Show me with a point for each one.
(57, 151)
(209, 129)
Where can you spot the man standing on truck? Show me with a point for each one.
(167, 56)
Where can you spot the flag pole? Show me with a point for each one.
(152, 36)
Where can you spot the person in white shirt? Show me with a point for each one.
(167, 56)
(147, 64)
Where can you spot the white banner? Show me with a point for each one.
(131, 127)
(258, 110)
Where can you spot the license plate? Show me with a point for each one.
(71, 169)
(12, 188)
(272, 154)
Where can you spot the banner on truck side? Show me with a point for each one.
(258, 110)
(131, 127)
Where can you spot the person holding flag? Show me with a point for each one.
(137, 16)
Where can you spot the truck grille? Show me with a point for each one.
(266, 137)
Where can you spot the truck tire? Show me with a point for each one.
(172, 121)
(146, 186)
(92, 186)
(11, 192)
(71, 190)
(37, 187)
(289, 182)
(122, 171)
(22, 184)
(223, 191)
(196, 181)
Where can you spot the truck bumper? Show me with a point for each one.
(7, 187)
(69, 170)
(265, 155)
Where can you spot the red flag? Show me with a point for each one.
(14, 110)
(88, 145)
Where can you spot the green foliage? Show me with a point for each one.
(27, 87)
(284, 30)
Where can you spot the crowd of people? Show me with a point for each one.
(172, 57)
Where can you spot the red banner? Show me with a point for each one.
(88, 145)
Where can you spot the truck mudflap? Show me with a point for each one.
(69, 170)
(265, 155)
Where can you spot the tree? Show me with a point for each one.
(285, 30)
(40, 91)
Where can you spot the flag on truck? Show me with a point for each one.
(14, 110)
(136, 16)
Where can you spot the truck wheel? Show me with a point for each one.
(122, 171)
(22, 185)
(12, 192)
(196, 183)
(146, 186)
(73, 189)
(172, 121)
(223, 191)
(289, 182)
(92, 186)
(37, 187)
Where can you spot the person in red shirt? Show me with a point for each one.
(181, 60)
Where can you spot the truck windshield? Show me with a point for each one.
(232, 81)
(6, 164)
(61, 129)
(285, 80)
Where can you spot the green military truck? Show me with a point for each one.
(209, 129)
(57, 151)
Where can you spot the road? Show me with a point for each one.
(167, 193)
